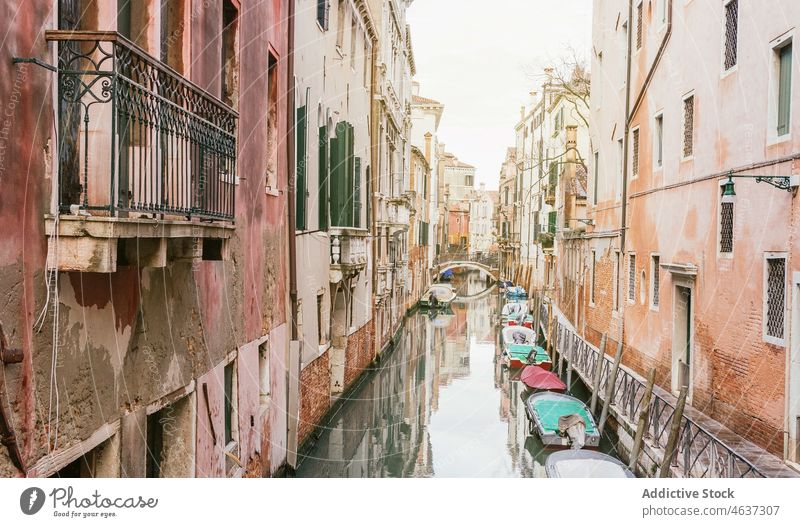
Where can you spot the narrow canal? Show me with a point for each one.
(440, 405)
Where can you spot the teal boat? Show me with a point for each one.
(520, 349)
(561, 421)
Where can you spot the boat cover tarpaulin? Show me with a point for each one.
(541, 379)
(551, 410)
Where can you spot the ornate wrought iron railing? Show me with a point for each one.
(700, 453)
(136, 136)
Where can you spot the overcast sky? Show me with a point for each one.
(477, 58)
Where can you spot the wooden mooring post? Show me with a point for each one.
(674, 433)
(612, 381)
(598, 372)
(644, 416)
(569, 356)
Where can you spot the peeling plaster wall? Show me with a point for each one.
(129, 338)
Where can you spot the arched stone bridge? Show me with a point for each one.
(487, 263)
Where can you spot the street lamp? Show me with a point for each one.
(787, 183)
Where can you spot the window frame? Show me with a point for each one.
(630, 293)
(765, 285)
(686, 97)
(729, 70)
(720, 253)
(636, 152)
(658, 141)
(655, 279)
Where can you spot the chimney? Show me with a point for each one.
(533, 95)
(549, 74)
(428, 138)
(570, 198)
(415, 88)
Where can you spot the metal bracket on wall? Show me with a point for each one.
(45, 65)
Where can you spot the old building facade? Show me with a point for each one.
(690, 259)
(149, 315)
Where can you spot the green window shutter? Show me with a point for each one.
(551, 222)
(338, 157)
(350, 181)
(357, 194)
(323, 177)
(300, 174)
(785, 90)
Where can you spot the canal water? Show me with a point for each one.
(441, 404)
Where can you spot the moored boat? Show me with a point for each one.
(585, 464)
(561, 421)
(520, 349)
(516, 293)
(438, 296)
(541, 380)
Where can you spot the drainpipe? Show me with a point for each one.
(291, 208)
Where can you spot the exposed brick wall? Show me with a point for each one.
(315, 394)
(600, 318)
(359, 353)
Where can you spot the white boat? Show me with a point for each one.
(585, 464)
(438, 296)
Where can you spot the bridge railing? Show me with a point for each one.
(488, 259)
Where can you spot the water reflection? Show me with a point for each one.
(440, 405)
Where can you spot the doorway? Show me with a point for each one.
(793, 378)
(682, 340)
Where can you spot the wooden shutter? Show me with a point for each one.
(357, 193)
(300, 175)
(324, 174)
(338, 185)
(785, 90)
(551, 222)
(350, 176)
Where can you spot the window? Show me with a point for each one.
(340, 26)
(322, 322)
(632, 278)
(655, 277)
(662, 10)
(784, 89)
(726, 228)
(353, 39)
(635, 163)
(620, 157)
(300, 174)
(658, 139)
(272, 126)
(731, 33)
(596, 176)
(229, 374)
(323, 13)
(229, 54)
(775, 298)
(688, 126)
(639, 22)
(263, 375)
(592, 282)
